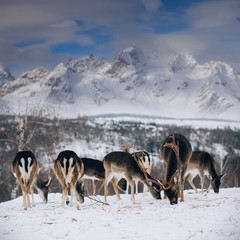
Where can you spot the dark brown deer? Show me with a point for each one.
(202, 163)
(120, 165)
(69, 169)
(176, 152)
(26, 168)
(94, 170)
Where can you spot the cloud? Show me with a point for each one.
(152, 5)
(213, 14)
(40, 32)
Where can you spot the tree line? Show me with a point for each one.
(46, 137)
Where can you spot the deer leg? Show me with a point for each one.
(105, 189)
(182, 186)
(127, 190)
(64, 194)
(136, 185)
(132, 183)
(191, 182)
(114, 183)
(32, 193)
(94, 187)
(74, 194)
(28, 199)
(24, 200)
(71, 203)
(202, 181)
(132, 190)
(145, 190)
(209, 188)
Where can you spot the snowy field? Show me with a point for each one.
(207, 216)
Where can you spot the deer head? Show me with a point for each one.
(80, 191)
(215, 182)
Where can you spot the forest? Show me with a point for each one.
(94, 137)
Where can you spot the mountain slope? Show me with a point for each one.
(132, 82)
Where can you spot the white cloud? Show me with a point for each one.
(152, 5)
(212, 29)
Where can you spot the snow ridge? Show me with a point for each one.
(131, 83)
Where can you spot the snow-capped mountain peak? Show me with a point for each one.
(5, 75)
(131, 83)
(181, 61)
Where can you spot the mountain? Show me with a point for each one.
(5, 75)
(133, 82)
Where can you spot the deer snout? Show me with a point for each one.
(174, 201)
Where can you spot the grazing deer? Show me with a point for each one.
(176, 152)
(146, 161)
(26, 168)
(120, 165)
(69, 169)
(202, 163)
(43, 187)
(94, 170)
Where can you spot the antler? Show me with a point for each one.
(145, 174)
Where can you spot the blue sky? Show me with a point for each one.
(37, 33)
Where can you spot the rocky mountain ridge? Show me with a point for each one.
(131, 83)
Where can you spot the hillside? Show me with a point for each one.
(96, 137)
(133, 82)
(208, 216)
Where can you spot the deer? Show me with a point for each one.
(120, 165)
(94, 170)
(146, 161)
(69, 169)
(26, 169)
(202, 163)
(176, 152)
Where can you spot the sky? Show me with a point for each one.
(44, 33)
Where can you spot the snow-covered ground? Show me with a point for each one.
(208, 216)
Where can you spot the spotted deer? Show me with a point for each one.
(69, 169)
(202, 163)
(120, 165)
(26, 168)
(176, 152)
(146, 161)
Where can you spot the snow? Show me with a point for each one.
(133, 82)
(207, 216)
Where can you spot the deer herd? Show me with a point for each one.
(122, 168)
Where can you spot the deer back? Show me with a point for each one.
(68, 167)
(25, 168)
(94, 168)
(171, 163)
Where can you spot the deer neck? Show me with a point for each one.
(212, 169)
(172, 166)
